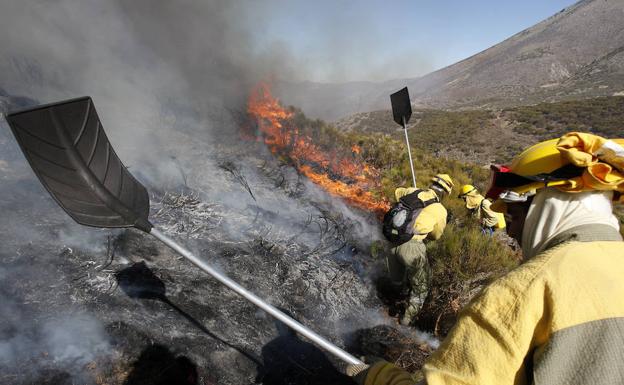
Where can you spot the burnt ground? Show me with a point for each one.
(98, 306)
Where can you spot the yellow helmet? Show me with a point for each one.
(575, 162)
(541, 158)
(467, 189)
(444, 181)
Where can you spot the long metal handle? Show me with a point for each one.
(317, 339)
(409, 152)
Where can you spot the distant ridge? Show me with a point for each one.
(576, 53)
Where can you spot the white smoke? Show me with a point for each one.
(67, 340)
(76, 339)
(167, 79)
(92, 240)
(153, 68)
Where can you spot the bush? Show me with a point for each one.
(463, 261)
(464, 253)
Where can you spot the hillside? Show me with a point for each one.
(97, 306)
(134, 310)
(252, 212)
(577, 53)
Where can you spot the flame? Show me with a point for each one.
(347, 177)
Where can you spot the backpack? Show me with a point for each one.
(398, 223)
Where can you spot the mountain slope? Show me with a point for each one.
(577, 53)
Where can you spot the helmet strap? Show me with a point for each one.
(438, 189)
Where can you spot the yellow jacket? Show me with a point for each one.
(557, 319)
(431, 221)
(489, 217)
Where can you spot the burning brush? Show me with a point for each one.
(347, 177)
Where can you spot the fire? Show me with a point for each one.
(344, 175)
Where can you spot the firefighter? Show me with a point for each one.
(407, 263)
(559, 317)
(480, 208)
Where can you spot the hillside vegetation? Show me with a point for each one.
(462, 144)
(483, 136)
(464, 259)
(602, 116)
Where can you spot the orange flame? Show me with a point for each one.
(341, 176)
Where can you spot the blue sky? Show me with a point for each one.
(379, 40)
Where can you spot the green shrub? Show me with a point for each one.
(464, 253)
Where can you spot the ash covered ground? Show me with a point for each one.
(85, 305)
(170, 83)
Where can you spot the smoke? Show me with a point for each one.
(30, 342)
(347, 40)
(69, 343)
(41, 327)
(153, 68)
(364, 228)
(168, 79)
(91, 240)
(78, 339)
(191, 54)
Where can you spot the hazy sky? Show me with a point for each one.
(215, 49)
(338, 40)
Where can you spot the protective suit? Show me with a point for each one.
(559, 317)
(408, 262)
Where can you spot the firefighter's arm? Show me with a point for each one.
(492, 337)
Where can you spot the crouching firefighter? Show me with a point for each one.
(559, 317)
(418, 215)
(480, 207)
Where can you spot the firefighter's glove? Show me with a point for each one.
(353, 370)
(385, 373)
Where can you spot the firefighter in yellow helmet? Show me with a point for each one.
(480, 207)
(559, 317)
(407, 263)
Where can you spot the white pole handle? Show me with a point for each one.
(409, 152)
(317, 339)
